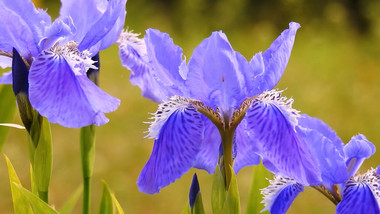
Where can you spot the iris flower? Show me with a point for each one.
(216, 100)
(338, 163)
(59, 55)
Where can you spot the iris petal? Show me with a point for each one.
(105, 31)
(207, 157)
(214, 76)
(175, 148)
(246, 155)
(275, 59)
(360, 195)
(326, 146)
(61, 30)
(356, 151)
(65, 97)
(15, 33)
(83, 13)
(271, 122)
(134, 57)
(280, 194)
(36, 20)
(165, 58)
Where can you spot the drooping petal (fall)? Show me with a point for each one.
(271, 122)
(280, 194)
(214, 75)
(245, 154)
(208, 154)
(275, 59)
(326, 147)
(61, 91)
(356, 151)
(361, 195)
(178, 129)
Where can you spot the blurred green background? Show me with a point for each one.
(333, 74)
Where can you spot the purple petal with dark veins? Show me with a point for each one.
(64, 97)
(271, 126)
(246, 155)
(207, 157)
(174, 150)
(326, 146)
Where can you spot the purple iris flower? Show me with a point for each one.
(217, 99)
(338, 163)
(60, 54)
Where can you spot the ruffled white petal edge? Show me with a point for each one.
(274, 189)
(163, 112)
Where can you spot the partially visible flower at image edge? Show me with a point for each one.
(59, 55)
(339, 163)
(217, 99)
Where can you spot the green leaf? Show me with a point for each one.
(186, 210)
(225, 201)
(198, 205)
(259, 182)
(39, 206)
(43, 160)
(20, 203)
(69, 205)
(232, 203)
(106, 204)
(8, 109)
(117, 204)
(218, 193)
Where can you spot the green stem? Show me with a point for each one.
(87, 145)
(327, 193)
(227, 143)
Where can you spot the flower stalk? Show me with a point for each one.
(87, 146)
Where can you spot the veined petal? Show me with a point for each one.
(246, 155)
(35, 20)
(361, 195)
(326, 147)
(166, 59)
(105, 31)
(15, 33)
(134, 56)
(208, 154)
(275, 59)
(214, 76)
(64, 95)
(280, 194)
(271, 123)
(180, 132)
(356, 151)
